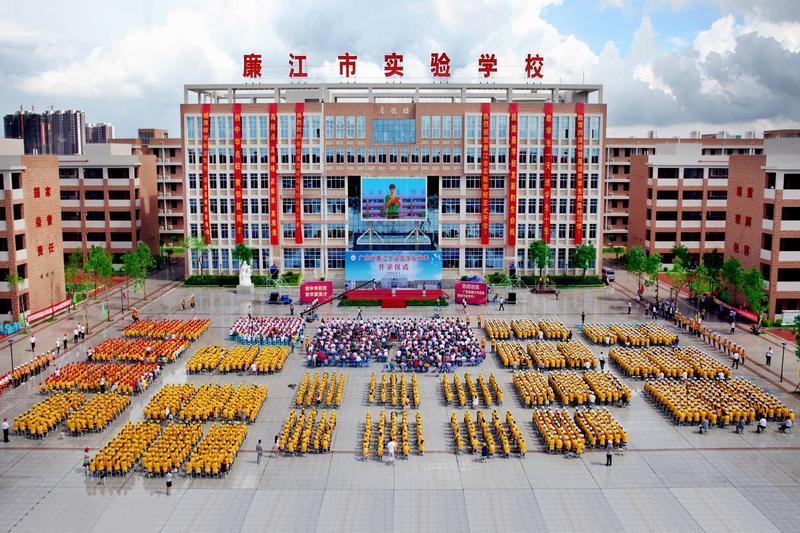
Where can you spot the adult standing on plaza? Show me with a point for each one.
(630, 306)
(65, 342)
(768, 356)
(192, 301)
(390, 448)
(609, 451)
(502, 304)
(5, 429)
(583, 317)
(168, 479)
(183, 303)
(359, 316)
(259, 452)
(33, 343)
(735, 360)
(733, 326)
(602, 359)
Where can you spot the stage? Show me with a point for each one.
(398, 299)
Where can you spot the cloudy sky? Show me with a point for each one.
(668, 65)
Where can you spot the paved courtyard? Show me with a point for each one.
(670, 478)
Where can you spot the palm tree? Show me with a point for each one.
(16, 281)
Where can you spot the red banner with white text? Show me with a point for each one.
(548, 170)
(513, 116)
(273, 174)
(206, 124)
(237, 173)
(298, 172)
(579, 115)
(485, 116)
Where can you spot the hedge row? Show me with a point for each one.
(232, 280)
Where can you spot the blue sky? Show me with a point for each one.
(668, 65)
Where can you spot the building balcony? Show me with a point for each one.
(788, 286)
(71, 203)
(124, 245)
(716, 203)
(663, 182)
(4, 257)
(92, 203)
(693, 183)
(22, 255)
(119, 224)
(721, 184)
(119, 203)
(93, 182)
(69, 224)
(766, 255)
(791, 194)
(666, 223)
(766, 224)
(715, 245)
(692, 203)
(769, 194)
(790, 225)
(2, 225)
(715, 224)
(686, 224)
(96, 224)
(68, 182)
(788, 256)
(16, 194)
(76, 245)
(691, 245)
(666, 203)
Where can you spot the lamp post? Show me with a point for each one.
(783, 353)
(11, 347)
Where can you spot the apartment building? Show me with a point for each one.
(108, 199)
(677, 192)
(51, 132)
(432, 131)
(30, 231)
(101, 132)
(763, 226)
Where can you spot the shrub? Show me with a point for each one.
(422, 303)
(496, 278)
(212, 280)
(346, 302)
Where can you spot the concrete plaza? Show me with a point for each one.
(670, 478)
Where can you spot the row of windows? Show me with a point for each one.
(494, 258)
(392, 155)
(255, 206)
(261, 230)
(441, 126)
(559, 257)
(256, 181)
(354, 127)
(562, 206)
(473, 230)
(222, 258)
(534, 155)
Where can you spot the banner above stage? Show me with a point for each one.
(394, 270)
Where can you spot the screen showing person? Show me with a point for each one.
(399, 198)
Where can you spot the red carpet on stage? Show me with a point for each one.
(396, 300)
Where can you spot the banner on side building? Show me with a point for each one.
(548, 170)
(579, 116)
(513, 116)
(298, 173)
(237, 173)
(485, 116)
(206, 124)
(273, 175)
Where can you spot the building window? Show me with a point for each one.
(451, 206)
(312, 206)
(451, 257)
(496, 230)
(497, 206)
(335, 182)
(312, 231)
(335, 206)
(497, 182)
(494, 258)
(426, 126)
(291, 258)
(335, 257)
(451, 182)
(450, 231)
(473, 206)
(287, 182)
(288, 205)
(456, 127)
(472, 231)
(288, 230)
(312, 182)
(473, 257)
(394, 131)
(312, 258)
(336, 231)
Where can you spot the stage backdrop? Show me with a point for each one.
(407, 201)
(394, 269)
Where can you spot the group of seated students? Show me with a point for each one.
(266, 330)
(421, 343)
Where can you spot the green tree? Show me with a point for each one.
(585, 255)
(681, 253)
(699, 281)
(796, 325)
(243, 254)
(16, 281)
(637, 259)
(678, 276)
(73, 266)
(198, 245)
(139, 265)
(755, 290)
(713, 263)
(732, 274)
(540, 255)
(652, 267)
(101, 267)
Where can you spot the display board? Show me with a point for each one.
(396, 270)
(398, 198)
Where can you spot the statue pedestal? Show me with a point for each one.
(245, 289)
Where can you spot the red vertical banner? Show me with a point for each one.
(486, 110)
(237, 173)
(579, 115)
(298, 173)
(548, 170)
(206, 124)
(273, 175)
(513, 116)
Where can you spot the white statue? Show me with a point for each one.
(244, 275)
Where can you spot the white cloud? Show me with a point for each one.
(719, 38)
